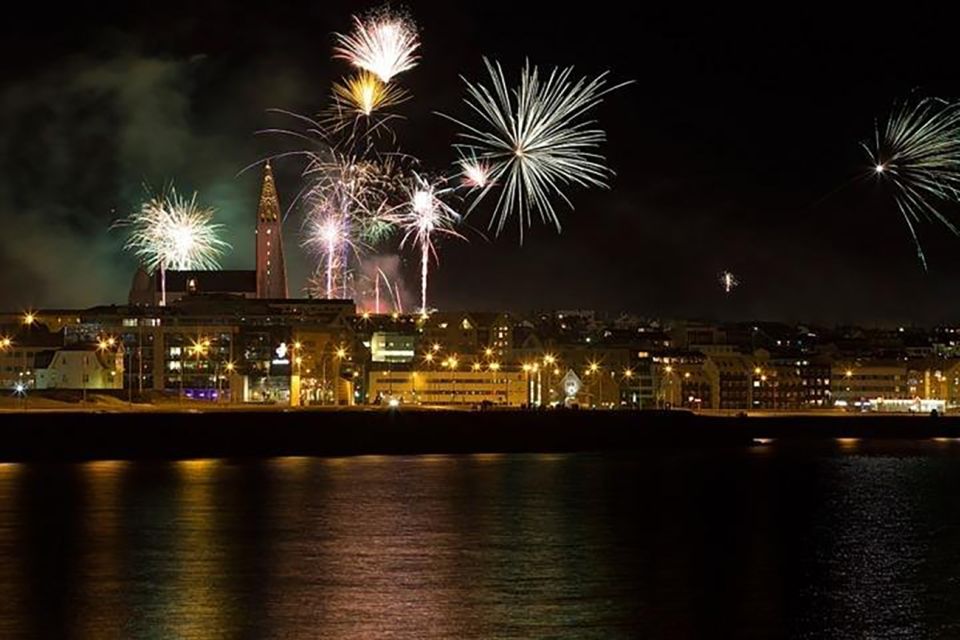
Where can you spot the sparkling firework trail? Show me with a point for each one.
(424, 215)
(384, 43)
(535, 139)
(728, 281)
(329, 233)
(170, 231)
(917, 152)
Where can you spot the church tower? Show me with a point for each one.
(271, 269)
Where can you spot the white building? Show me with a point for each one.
(82, 367)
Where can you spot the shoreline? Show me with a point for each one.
(87, 435)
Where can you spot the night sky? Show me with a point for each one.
(735, 149)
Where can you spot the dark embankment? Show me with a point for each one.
(85, 436)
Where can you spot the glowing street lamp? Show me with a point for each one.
(29, 317)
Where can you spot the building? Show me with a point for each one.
(80, 367)
(731, 381)
(147, 291)
(446, 387)
(271, 268)
(392, 347)
(212, 346)
(855, 383)
(22, 344)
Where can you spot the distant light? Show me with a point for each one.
(394, 402)
(879, 168)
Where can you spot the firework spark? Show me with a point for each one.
(424, 215)
(475, 174)
(171, 232)
(728, 281)
(384, 44)
(917, 152)
(329, 233)
(535, 139)
(348, 210)
(363, 93)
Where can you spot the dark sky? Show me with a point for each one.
(738, 126)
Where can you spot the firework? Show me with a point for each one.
(535, 139)
(348, 210)
(917, 152)
(170, 231)
(424, 215)
(329, 233)
(728, 281)
(384, 44)
(364, 93)
(475, 174)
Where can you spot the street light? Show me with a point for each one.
(495, 367)
(549, 363)
(452, 363)
(594, 369)
(230, 367)
(29, 317)
(198, 348)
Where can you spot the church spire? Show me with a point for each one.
(271, 270)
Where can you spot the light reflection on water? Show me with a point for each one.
(768, 541)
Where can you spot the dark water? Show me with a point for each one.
(772, 541)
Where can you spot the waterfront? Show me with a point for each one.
(836, 539)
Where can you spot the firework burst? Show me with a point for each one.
(917, 152)
(363, 93)
(384, 43)
(348, 209)
(474, 173)
(423, 216)
(172, 232)
(329, 233)
(535, 139)
(728, 281)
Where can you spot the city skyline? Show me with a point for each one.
(724, 160)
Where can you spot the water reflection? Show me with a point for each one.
(847, 541)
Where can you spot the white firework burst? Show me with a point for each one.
(423, 216)
(917, 152)
(535, 139)
(384, 43)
